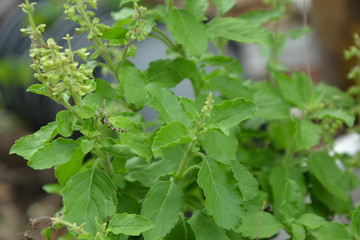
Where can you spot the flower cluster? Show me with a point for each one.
(56, 68)
(77, 11)
(206, 109)
(137, 32)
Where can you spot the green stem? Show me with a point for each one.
(165, 37)
(185, 161)
(71, 109)
(97, 41)
(77, 229)
(33, 26)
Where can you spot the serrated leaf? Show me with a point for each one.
(261, 17)
(65, 120)
(269, 102)
(182, 231)
(88, 196)
(53, 154)
(65, 171)
(188, 69)
(239, 30)
(223, 200)
(224, 6)
(86, 112)
(229, 114)
(139, 143)
(247, 183)
(197, 8)
(129, 224)
(164, 73)
(296, 89)
(205, 229)
(310, 221)
(171, 135)
(355, 221)
(39, 89)
(148, 175)
(259, 225)
(127, 204)
(291, 202)
(162, 205)
(298, 232)
(308, 134)
(187, 31)
(338, 114)
(167, 104)
(219, 146)
(329, 175)
(331, 231)
(28, 145)
(132, 84)
(120, 150)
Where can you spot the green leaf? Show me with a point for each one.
(127, 204)
(229, 114)
(132, 84)
(197, 8)
(298, 232)
(182, 231)
(65, 171)
(65, 120)
(187, 31)
(167, 104)
(355, 221)
(119, 150)
(331, 231)
(205, 229)
(171, 135)
(261, 17)
(139, 143)
(189, 107)
(230, 64)
(296, 90)
(253, 221)
(224, 6)
(163, 205)
(239, 30)
(329, 175)
(339, 114)
(39, 89)
(286, 198)
(219, 146)
(310, 221)
(122, 2)
(308, 134)
(87, 145)
(129, 224)
(86, 112)
(291, 202)
(88, 196)
(223, 199)
(53, 154)
(28, 145)
(188, 69)
(148, 175)
(164, 73)
(269, 102)
(247, 183)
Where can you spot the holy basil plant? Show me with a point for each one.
(243, 160)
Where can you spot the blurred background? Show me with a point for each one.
(21, 113)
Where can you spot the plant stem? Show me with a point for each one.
(77, 229)
(97, 41)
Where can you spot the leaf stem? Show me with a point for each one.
(97, 41)
(77, 229)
